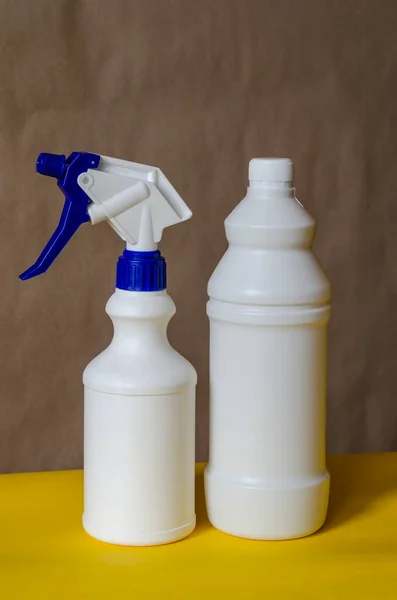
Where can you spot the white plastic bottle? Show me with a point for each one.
(268, 310)
(139, 393)
(139, 419)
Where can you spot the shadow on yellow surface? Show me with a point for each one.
(357, 483)
(202, 523)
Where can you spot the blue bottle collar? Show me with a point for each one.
(141, 271)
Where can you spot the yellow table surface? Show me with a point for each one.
(45, 553)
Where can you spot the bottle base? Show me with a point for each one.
(266, 513)
(147, 538)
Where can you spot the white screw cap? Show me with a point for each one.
(271, 170)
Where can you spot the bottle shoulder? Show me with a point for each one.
(269, 277)
(269, 260)
(268, 218)
(120, 372)
(139, 360)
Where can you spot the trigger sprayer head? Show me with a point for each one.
(137, 201)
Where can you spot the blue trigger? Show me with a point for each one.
(74, 212)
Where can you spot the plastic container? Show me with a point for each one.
(139, 429)
(268, 309)
(139, 394)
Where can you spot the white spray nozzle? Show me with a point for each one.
(138, 201)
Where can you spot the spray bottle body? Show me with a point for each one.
(139, 394)
(139, 420)
(268, 311)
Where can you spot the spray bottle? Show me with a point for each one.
(139, 393)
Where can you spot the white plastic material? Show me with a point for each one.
(139, 419)
(139, 398)
(271, 170)
(120, 191)
(268, 310)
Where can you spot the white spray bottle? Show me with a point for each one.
(139, 393)
(268, 310)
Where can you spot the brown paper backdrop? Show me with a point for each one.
(198, 88)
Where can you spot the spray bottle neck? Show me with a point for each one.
(141, 271)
